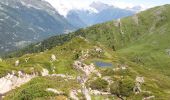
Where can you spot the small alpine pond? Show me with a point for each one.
(103, 64)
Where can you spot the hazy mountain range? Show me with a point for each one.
(26, 21)
(99, 13)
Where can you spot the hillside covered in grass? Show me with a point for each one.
(105, 74)
(116, 34)
(126, 59)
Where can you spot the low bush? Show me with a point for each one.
(99, 84)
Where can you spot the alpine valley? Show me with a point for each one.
(26, 21)
(123, 59)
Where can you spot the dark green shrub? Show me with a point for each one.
(123, 87)
(126, 87)
(114, 88)
(107, 72)
(99, 84)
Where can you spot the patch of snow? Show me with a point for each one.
(1, 19)
(40, 28)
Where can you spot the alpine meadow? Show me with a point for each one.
(126, 58)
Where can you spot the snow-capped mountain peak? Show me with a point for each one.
(100, 5)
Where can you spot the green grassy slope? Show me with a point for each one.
(114, 34)
(155, 82)
(146, 33)
(66, 55)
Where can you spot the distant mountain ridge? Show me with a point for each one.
(103, 12)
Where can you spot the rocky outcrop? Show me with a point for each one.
(73, 95)
(54, 91)
(86, 93)
(16, 79)
(45, 72)
(53, 57)
(117, 23)
(139, 81)
(136, 20)
(120, 67)
(98, 49)
(85, 55)
(11, 81)
(87, 69)
(96, 92)
(148, 98)
(17, 63)
(108, 79)
(63, 76)
(168, 51)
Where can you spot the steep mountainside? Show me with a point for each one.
(124, 59)
(25, 21)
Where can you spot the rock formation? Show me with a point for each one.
(168, 51)
(87, 69)
(73, 95)
(54, 91)
(45, 72)
(17, 63)
(11, 81)
(139, 81)
(53, 57)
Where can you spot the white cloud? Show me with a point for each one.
(64, 6)
(123, 4)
